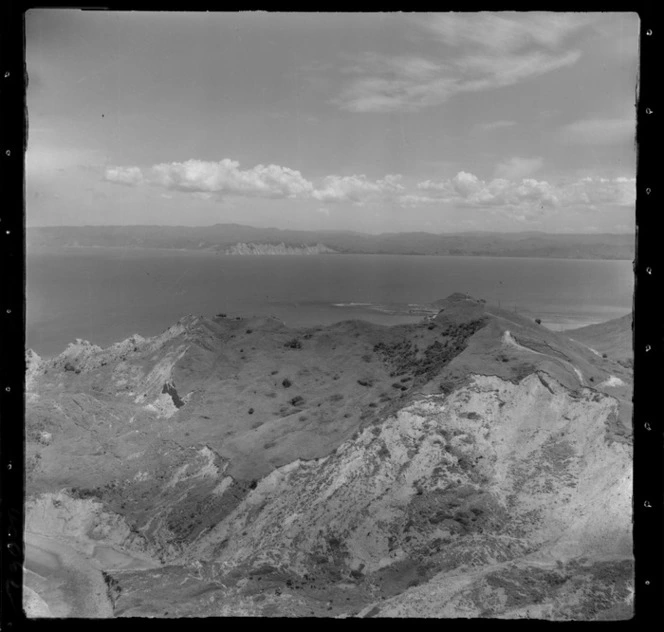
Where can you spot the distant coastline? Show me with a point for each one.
(236, 240)
(38, 249)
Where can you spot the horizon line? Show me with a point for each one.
(331, 230)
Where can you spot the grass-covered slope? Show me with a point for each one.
(613, 338)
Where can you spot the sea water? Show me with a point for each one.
(105, 295)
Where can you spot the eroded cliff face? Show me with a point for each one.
(476, 463)
(473, 465)
(276, 249)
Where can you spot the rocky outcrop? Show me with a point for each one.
(277, 249)
(450, 484)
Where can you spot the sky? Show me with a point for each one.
(372, 122)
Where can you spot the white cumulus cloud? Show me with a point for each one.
(226, 177)
(357, 188)
(528, 195)
(509, 190)
(129, 176)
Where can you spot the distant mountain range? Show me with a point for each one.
(238, 239)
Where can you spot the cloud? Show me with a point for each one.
(527, 195)
(505, 32)
(203, 179)
(518, 168)
(357, 189)
(595, 192)
(479, 51)
(413, 199)
(129, 176)
(226, 177)
(510, 190)
(409, 66)
(598, 131)
(488, 72)
(380, 94)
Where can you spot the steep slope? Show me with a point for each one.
(190, 419)
(474, 463)
(613, 338)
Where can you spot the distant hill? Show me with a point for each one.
(614, 338)
(226, 238)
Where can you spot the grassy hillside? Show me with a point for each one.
(613, 338)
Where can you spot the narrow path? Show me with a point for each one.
(509, 340)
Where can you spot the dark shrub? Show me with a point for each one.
(298, 400)
(538, 321)
(447, 387)
(294, 343)
(251, 411)
(286, 383)
(82, 493)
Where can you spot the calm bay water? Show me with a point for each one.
(105, 295)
